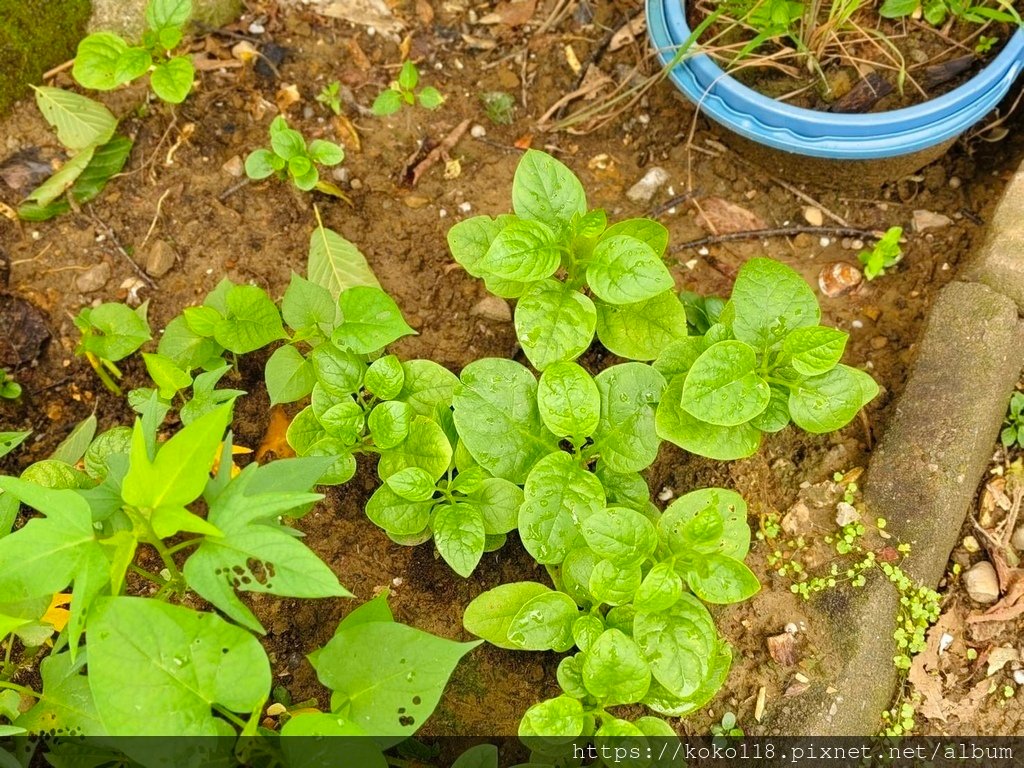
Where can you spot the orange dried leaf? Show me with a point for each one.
(56, 615)
(275, 439)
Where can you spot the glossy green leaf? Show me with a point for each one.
(558, 496)
(172, 79)
(626, 438)
(830, 401)
(768, 301)
(640, 331)
(545, 190)
(554, 323)
(615, 671)
(370, 320)
(568, 400)
(815, 350)
(723, 386)
(624, 270)
(490, 614)
(544, 623)
(689, 433)
(250, 322)
(80, 121)
(523, 250)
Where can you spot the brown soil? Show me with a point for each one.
(260, 233)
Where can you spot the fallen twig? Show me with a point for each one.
(757, 234)
(441, 150)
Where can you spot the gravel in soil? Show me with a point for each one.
(174, 196)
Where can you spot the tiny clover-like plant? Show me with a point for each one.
(763, 362)
(289, 157)
(111, 332)
(330, 96)
(885, 254)
(626, 598)
(404, 92)
(572, 273)
(105, 60)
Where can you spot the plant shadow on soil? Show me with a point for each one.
(260, 233)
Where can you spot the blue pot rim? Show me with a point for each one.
(826, 134)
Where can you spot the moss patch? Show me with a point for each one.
(35, 36)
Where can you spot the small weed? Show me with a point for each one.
(9, 388)
(885, 255)
(498, 106)
(727, 728)
(1013, 426)
(404, 92)
(329, 96)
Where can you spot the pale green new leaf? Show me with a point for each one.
(459, 535)
(723, 386)
(490, 614)
(545, 190)
(336, 264)
(624, 270)
(768, 301)
(251, 320)
(554, 323)
(828, 402)
(80, 121)
(626, 437)
(172, 79)
(615, 671)
(642, 330)
(569, 400)
(370, 320)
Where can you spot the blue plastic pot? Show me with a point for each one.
(826, 134)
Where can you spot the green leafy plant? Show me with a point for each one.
(626, 597)
(571, 273)
(763, 362)
(936, 12)
(404, 91)
(727, 728)
(105, 61)
(9, 388)
(157, 667)
(1012, 433)
(885, 254)
(498, 106)
(289, 157)
(86, 128)
(330, 96)
(111, 332)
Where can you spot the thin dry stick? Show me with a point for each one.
(117, 244)
(156, 216)
(58, 69)
(757, 234)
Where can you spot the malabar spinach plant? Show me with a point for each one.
(105, 61)
(572, 273)
(111, 332)
(628, 600)
(763, 361)
(290, 157)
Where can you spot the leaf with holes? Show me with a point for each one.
(255, 553)
(389, 693)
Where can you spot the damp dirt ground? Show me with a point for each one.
(177, 191)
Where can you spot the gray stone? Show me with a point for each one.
(94, 278)
(492, 308)
(652, 181)
(922, 478)
(127, 17)
(160, 259)
(1000, 261)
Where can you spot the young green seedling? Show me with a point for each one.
(105, 61)
(886, 254)
(289, 157)
(9, 388)
(1013, 426)
(330, 97)
(111, 332)
(498, 106)
(572, 273)
(404, 92)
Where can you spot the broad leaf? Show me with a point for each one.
(615, 672)
(158, 669)
(80, 121)
(830, 401)
(691, 434)
(370, 320)
(250, 321)
(336, 264)
(626, 438)
(769, 300)
(723, 386)
(569, 400)
(624, 270)
(642, 330)
(545, 190)
(554, 323)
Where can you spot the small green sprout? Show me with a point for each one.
(498, 106)
(9, 388)
(290, 157)
(1013, 426)
(329, 96)
(885, 255)
(727, 728)
(105, 60)
(403, 91)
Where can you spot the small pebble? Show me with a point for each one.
(256, 28)
(879, 342)
(825, 242)
(356, 184)
(1018, 677)
(645, 189)
(954, 182)
(666, 494)
(340, 174)
(492, 308)
(94, 278)
(971, 544)
(443, 213)
(944, 642)
(981, 583)
(813, 216)
(791, 629)
(234, 167)
(477, 131)
(857, 324)
(465, 207)
(846, 514)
